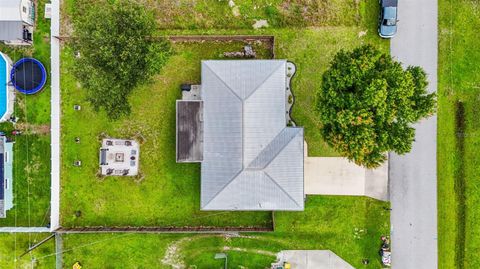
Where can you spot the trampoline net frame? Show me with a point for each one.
(28, 76)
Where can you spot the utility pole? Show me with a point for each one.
(37, 245)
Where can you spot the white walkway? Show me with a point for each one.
(24, 230)
(55, 116)
(413, 177)
(338, 176)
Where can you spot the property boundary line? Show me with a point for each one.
(227, 38)
(270, 39)
(160, 230)
(56, 39)
(58, 251)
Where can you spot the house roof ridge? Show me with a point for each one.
(280, 64)
(281, 188)
(264, 166)
(223, 82)
(224, 187)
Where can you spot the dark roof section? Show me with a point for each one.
(389, 3)
(2, 179)
(189, 131)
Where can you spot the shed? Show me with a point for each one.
(17, 19)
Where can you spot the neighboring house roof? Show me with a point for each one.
(6, 176)
(11, 30)
(251, 160)
(10, 10)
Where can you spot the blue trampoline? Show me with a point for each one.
(28, 76)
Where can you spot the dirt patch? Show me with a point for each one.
(256, 251)
(173, 255)
(66, 27)
(260, 24)
(28, 128)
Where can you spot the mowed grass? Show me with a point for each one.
(31, 184)
(31, 168)
(166, 193)
(349, 226)
(459, 134)
(351, 229)
(312, 50)
(14, 245)
(207, 14)
(169, 193)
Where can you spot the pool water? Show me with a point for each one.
(4, 75)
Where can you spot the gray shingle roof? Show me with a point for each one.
(252, 161)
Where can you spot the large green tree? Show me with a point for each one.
(368, 102)
(117, 51)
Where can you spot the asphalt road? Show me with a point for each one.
(413, 177)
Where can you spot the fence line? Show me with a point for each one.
(163, 229)
(270, 39)
(55, 116)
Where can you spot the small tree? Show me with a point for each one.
(117, 51)
(368, 102)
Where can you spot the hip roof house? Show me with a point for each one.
(17, 18)
(250, 159)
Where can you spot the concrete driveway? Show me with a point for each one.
(339, 176)
(413, 177)
(312, 259)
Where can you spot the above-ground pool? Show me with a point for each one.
(6, 93)
(28, 76)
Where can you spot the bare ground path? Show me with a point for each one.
(28, 128)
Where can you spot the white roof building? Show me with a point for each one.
(17, 18)
(251, 159)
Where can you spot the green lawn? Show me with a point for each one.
(169, 192)
(459, 134)
(14, 245)
(31, 185)
(207, 14)
(105, 202)
(349, 226)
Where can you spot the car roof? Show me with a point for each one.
(389, 3)
(390, 13)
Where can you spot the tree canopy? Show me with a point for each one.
(117, 52)
(368, 102)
